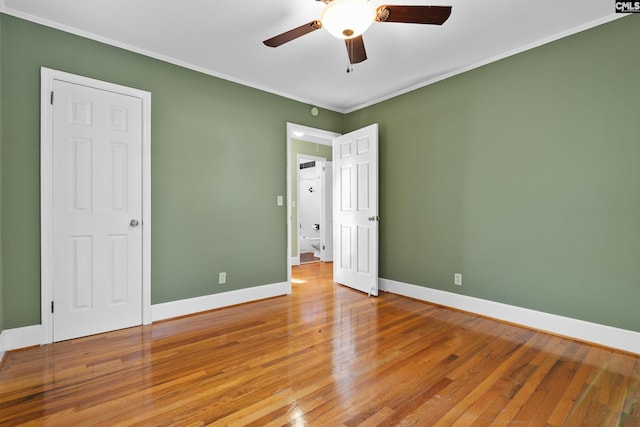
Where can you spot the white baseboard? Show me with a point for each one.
(295, 260)
(608, 336)
(12, 339)
(622, 339)
(184, 307)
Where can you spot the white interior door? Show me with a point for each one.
(355, 157)
(97, 210)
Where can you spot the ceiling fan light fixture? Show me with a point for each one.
(346, 19)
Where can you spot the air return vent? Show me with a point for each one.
(308, 165)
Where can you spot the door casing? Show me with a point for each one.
(48, 76)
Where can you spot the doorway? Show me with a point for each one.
(314, 209)
(315, 145)
(355, 208)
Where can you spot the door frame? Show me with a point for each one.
(47, 77)
(303, 133)
(327, 214)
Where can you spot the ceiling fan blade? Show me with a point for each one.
(293, 34)
(436, 15)
(356, 50)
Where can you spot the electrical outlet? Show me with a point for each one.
(222, 278)
(457, 279)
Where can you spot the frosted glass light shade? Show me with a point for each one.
(346, 19)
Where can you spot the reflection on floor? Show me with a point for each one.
(324, 355)
(308, 257)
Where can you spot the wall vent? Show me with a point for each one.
(308, 165)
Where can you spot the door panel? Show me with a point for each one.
(82, 277)
(97, 191)
(345, 247)
(356, 214)
(363, 249)
(118, 259)
(363, 187)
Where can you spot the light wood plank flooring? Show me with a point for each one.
(324, 356)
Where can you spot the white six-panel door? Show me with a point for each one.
(355, 157)
(97, 210)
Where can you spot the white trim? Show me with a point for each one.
(171, 60)
(488, 61)
(12, 339)
(188, 306)
(47, 76)
(295, 260)
(306, 133)
(318, 136)
(28, 336)
(608, 336)
(168, 59)
(622, 339)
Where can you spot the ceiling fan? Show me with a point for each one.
(348, 19)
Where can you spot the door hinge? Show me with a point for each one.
(51, 306)
(51, 97)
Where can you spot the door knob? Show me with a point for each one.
(134, 223)
(372, 218)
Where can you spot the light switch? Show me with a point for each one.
(279, 201)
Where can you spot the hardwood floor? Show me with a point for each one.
(324, 356)
(308, 257)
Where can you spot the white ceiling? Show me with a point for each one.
(224, 39)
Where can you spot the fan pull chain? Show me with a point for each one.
(350, 54)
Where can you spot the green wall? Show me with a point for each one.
(218, 163)
(523, 176)
(1, 240)
(310, 149)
